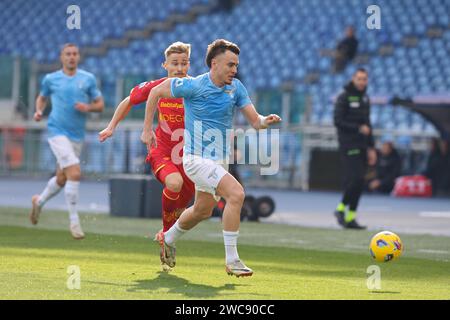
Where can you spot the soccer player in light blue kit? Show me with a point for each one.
(73, 93)
(210, 101)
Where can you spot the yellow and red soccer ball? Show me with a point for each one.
(386, 246)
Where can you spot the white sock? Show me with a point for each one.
(230, 241)
(71, 193)
(49, 192)
(173, 234)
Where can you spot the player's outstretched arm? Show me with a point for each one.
(41, 104)
(258, 121)
(159, 92)
(120, 113)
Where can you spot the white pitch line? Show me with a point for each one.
(435, 214)
(433, 251)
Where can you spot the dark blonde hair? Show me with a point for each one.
(178, 47)
(67, 45)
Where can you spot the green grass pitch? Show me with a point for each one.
(118, 260)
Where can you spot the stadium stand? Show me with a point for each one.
(32, 29)
(282, 41)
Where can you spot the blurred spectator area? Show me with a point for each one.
(282, 41)
(284, 63)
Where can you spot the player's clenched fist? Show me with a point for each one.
(148, 138)
(272, 119)
(82, 107)
(265, 122)
(37, 116)
(105, 134)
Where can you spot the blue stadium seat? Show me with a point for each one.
(280, 40)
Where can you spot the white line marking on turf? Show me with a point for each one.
(435, 214)
(352, 246)
(378, 208)
(433, 251)
(286, 240)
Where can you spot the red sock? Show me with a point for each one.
(169, 206)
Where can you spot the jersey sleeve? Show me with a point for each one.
(45, 87)
(242, 97)
(93, 90)
(140, 93)
(181, 87)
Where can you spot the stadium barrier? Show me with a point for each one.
(25, 152)
(137, 196)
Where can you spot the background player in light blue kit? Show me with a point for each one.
(73, 93)
(210, 101)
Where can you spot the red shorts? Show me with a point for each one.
(162, 166)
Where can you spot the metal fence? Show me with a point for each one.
(25, 151)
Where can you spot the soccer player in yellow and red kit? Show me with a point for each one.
(166, 158)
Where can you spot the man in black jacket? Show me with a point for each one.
(438, 165)
(356, 145)
(346, 50)
(388, 169)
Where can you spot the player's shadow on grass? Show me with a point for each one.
(384, 292)
(177, 285)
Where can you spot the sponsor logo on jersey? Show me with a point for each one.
(171, 105)
(172, 118)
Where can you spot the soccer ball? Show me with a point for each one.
(386, 246)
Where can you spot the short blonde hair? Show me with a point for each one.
(67, 45)
(178, 47)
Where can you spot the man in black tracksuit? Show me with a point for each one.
(356, 145)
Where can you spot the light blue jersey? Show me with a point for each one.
(209, 114)
(65, 91)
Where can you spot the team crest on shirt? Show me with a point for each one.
(354, 101)
(230, 92)
(178, 82)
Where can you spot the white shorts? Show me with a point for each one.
(205, 173)
(67, 152)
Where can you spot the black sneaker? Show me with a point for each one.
(340, 216)
(354, 225)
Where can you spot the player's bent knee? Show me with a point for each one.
(61, 178)
(236, 196)
(76, 176)
(73, 173)
(174, 184)
(61, 181)
(231, 190)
